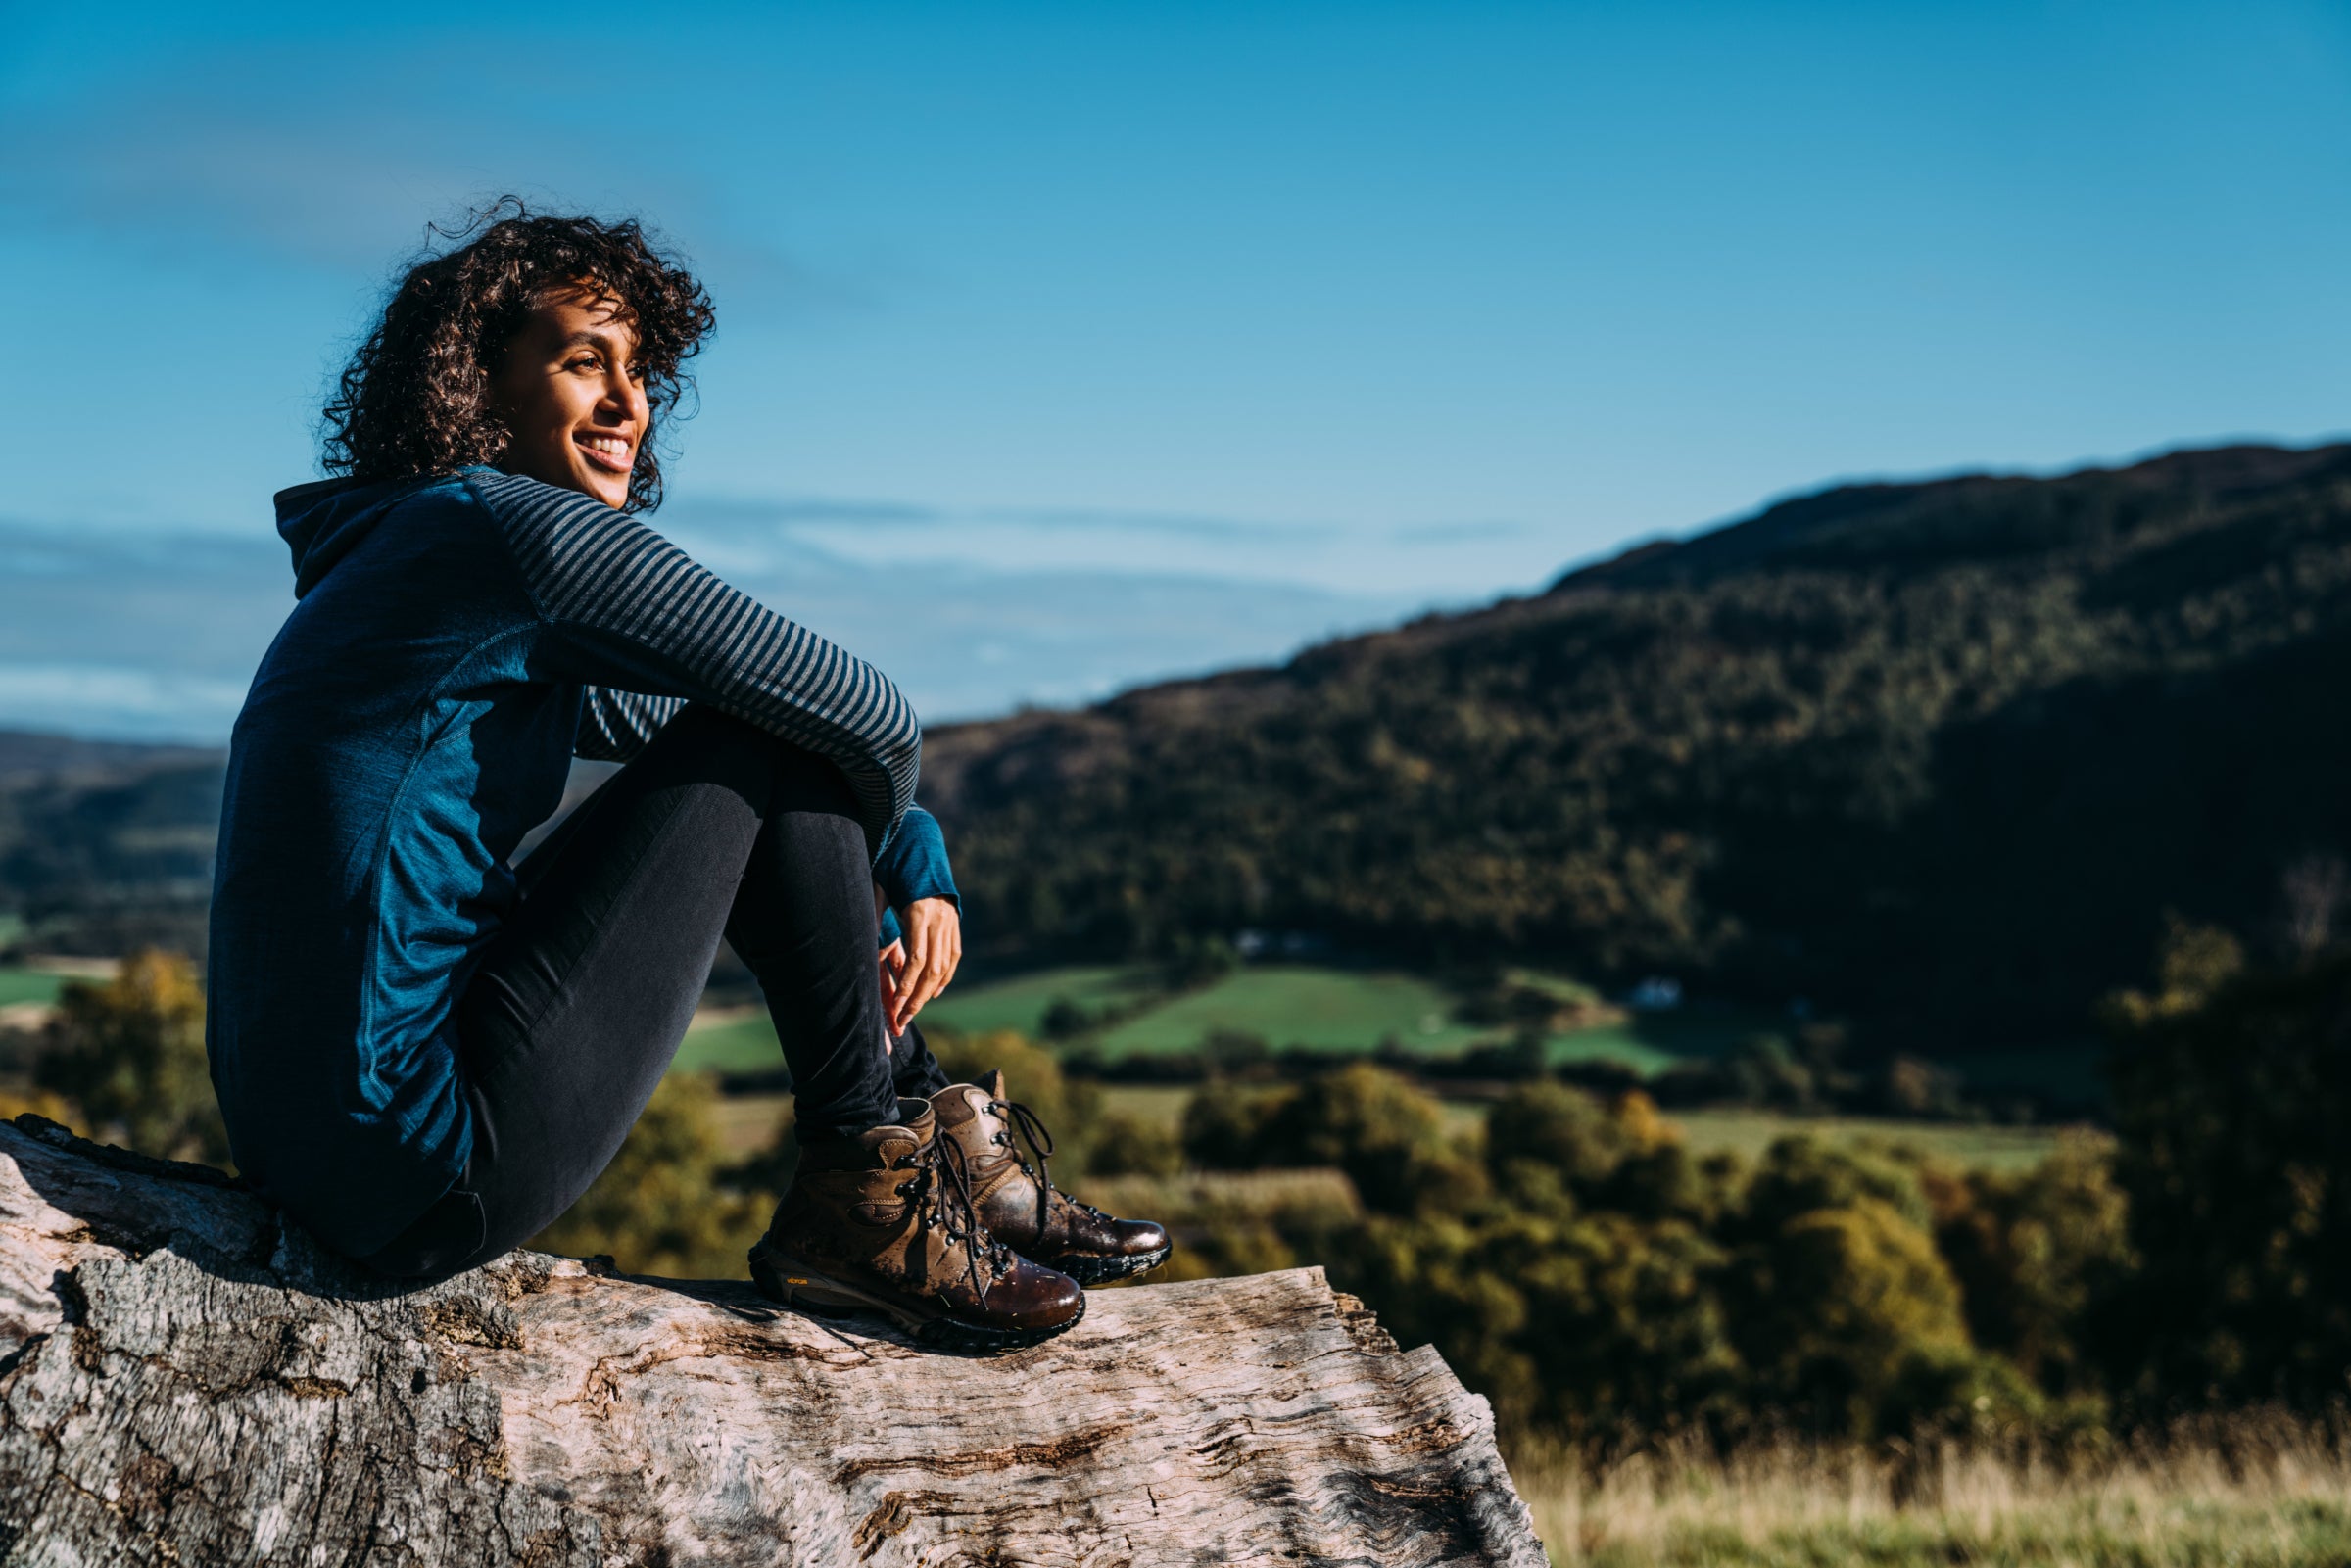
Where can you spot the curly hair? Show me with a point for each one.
(416, 397)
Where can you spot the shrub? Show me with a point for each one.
(130, 1054)
(1225, 1123)
(2036, 1253)
(1388, 1137)
(2232, 1094)
(1837, 1309)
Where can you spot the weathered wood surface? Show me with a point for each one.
(186, 1379)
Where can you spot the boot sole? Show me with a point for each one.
(792, 1283)
(1102, 1270)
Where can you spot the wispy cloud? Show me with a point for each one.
(157, 638)
(808, 512)
(1175, 525)
(1460, 533)
(117, 701)
(1421, 565)
(340, 159)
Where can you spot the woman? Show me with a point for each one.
(426, 1054)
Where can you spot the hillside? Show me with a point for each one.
(1937, 755)
(104, 845)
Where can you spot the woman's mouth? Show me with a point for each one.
(612, 453)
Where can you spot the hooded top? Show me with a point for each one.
(455, 643)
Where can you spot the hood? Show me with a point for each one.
(321, 521)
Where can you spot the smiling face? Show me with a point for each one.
(572, 393)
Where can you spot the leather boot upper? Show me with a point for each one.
(1019, 1203)
(892, 1205)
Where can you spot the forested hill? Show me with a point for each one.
(105, 845)
(1939, 755)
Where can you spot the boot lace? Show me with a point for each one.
(942, 1185)
(1031, 1129)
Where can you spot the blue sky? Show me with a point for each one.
(1063, 347)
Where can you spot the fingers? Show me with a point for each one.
(949, 943)
(933, 950)
(903, 1004)
(893, 959)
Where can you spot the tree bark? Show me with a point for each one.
(186, 1378)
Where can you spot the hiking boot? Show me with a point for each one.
(1020, 1205)
(887, 1222)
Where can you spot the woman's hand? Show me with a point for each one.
(918, 966)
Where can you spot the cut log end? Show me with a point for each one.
(185, 1377)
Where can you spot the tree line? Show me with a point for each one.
(1601, 1284)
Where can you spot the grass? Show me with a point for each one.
(744, 1040)
(1747, 1133)
(737, 1040)
(1308, 1196)
(1020, 1003)
(1346, 1012)
(1158, 1104)
(2250, 1490)
(1341, 1011)
(1652, 1040)
(19, 984)
(746, 1123)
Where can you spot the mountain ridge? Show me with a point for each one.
(1754, 758)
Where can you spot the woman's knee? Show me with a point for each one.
(801, 780)
(709, 728)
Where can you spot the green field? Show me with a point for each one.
(1745, 1133)
(19, 984)
(1649, 1042)
(1352, 1012)
(1341, 1011)
(729, 1043)
(1338, 1010)
(1020, 1004)
(1293, 1005)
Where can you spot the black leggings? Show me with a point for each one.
(579, 1002)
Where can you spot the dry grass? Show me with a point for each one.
(1311, 1196)
(2249, 1491)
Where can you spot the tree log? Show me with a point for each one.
(187, 1378)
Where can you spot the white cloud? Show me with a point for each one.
(96, 699)
(157, 638)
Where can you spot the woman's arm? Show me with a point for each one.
(921, 916)
(628, 609)
(615, 725)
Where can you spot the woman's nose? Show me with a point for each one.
(623, 400)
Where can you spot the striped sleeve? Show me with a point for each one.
(615, 725)
(630, 612)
